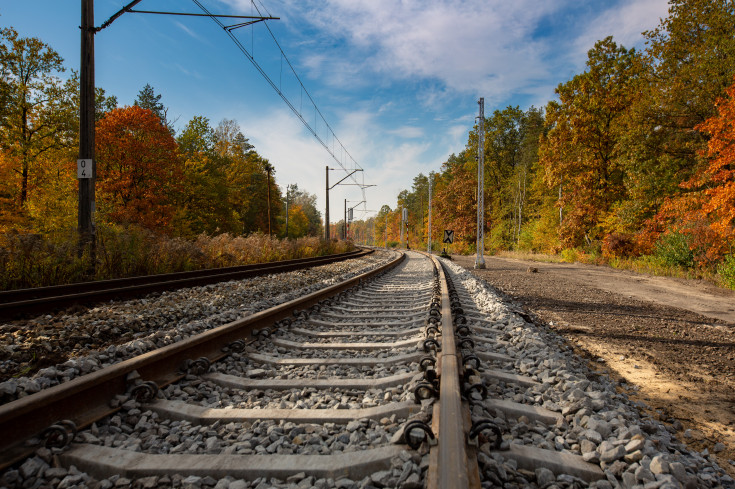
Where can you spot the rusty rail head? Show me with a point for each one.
(452, 467)
(86, 399)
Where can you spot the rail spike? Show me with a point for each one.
(413, 427)
(424, 390)
(482, 425)
(196, 367)
(59, 434)
(145, 391)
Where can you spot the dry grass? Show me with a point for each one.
(32, 260)
(647, 264)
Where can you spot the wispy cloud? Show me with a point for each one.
(188, 31)
(409, 132)
(625, 22)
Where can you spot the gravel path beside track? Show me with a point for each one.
(677, 364)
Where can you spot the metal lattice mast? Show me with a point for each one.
(403, 220)
(480, 260)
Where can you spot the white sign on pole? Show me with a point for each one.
(84, 168)
(448, 236)
(405, 214)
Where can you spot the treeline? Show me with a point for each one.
(204, 178)
(633, 160)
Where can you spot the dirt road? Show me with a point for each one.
(674, 339)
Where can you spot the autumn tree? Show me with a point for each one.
(688, 63)
(52, 206)
(704, 211)
(580, 154)
(381, 224)
(416, 201)
(455, 197)
(307, 220)
(30, 122)
(525, 202)
(138, 169)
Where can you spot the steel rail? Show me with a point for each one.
(86, 399)
(16, 302)
(451, 467)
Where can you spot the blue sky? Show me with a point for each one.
(397, 80)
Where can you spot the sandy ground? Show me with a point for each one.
(673, 339)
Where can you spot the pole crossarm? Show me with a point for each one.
(252, 19)
(117, 14)
(361, 202)
(345, 178)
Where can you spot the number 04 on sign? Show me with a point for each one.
(84, 168)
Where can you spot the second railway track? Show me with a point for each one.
(41, 299)
(416, 378)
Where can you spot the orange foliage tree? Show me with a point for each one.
(138, 168)
(705, 211)
(455, 199)
(718, 178)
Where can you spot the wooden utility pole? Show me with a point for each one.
(288, 189)
(268, 169)
(86, 168)
(326, 210)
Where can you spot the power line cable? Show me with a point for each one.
(278, 89)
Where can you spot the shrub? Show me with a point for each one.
(571, 255)
(32, 260)
(618, 245)
(675, 250)
(726, 271)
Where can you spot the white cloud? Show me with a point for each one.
(474, 46)
(625, 22)
(389, 161)
(384, 55)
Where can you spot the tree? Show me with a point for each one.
(253, 195)
(717, 180)
(303, 205)
(704, 211)
(455, 197)
(580, 155)
(147, 99)
(688, 64)
(29, 123)
(229, 142)
(138, 169)
(204, 202)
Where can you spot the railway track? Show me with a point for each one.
(42, 299)
(410, 376)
